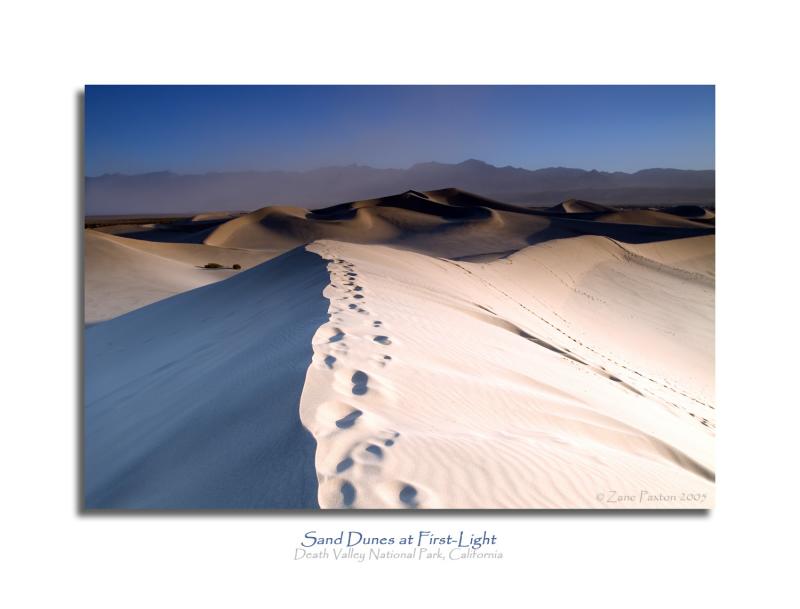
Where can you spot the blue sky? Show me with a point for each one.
(194, 129)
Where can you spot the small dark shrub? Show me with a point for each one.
(213, 265)
(236, 267)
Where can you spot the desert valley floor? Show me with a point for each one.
(423, 350)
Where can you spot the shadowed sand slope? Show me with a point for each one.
(191, 402)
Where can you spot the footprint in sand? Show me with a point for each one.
(408, 495)
(344, 465)
(348, 494)
(375, 450)
(399, 493)
(377, 324)
(336, 337)
(348, 420)
(383, 340)
(367, 458)
(359, 380)
(330, 361)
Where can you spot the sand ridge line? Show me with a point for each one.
(354, 349)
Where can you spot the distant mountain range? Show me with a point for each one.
(166, 192)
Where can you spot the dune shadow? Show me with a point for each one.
(193, 402)
(626, 233)
(343, 211)
(167, 234)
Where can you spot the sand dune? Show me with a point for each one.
(541, 380)
(125, 274)
(438, 350)
(446, 222)
(191, 402)
(574, 206)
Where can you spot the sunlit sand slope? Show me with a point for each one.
(566, 375)
(124, 274)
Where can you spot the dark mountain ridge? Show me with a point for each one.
(167, 192)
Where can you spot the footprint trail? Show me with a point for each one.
(355, 446)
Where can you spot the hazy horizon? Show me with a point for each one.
(135, 129)
(368, 166)
(169, 192)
